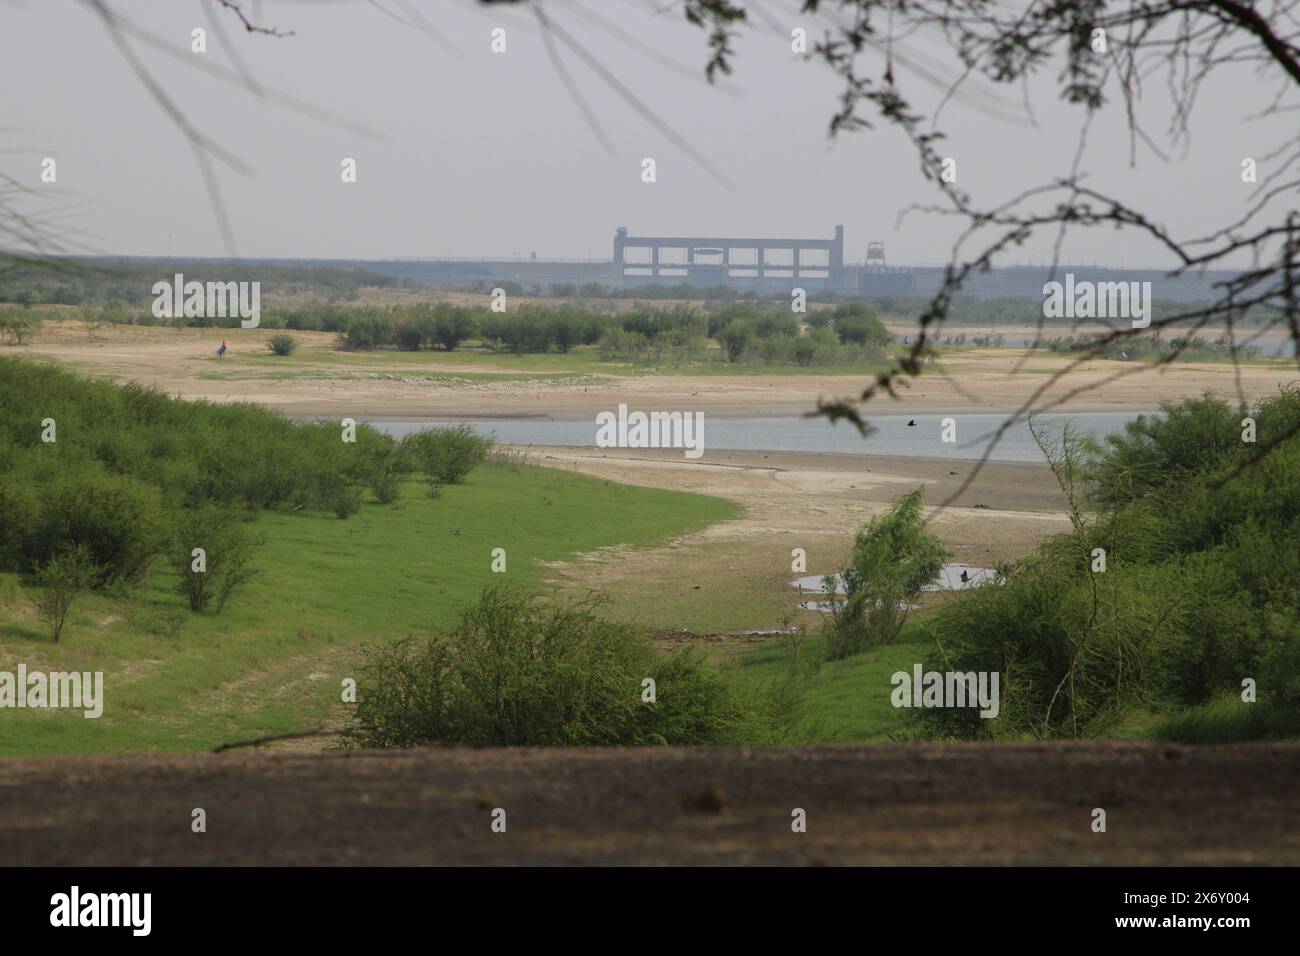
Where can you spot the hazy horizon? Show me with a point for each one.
(487, 155)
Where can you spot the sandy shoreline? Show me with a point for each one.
(986, 387)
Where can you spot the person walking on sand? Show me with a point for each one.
(221, 352)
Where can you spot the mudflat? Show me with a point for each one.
(799, 500)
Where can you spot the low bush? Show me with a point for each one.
(212, 555)
(282, 344)
(894, 557)
(515, 671)
(17, 325)
(117, 520)
(58, 583)
(386, 480)
(446, 455)
(344, 500)
(368, 331)
(856, 324)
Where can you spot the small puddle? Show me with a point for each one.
(959, 577)
(952, 577)
(816, 584)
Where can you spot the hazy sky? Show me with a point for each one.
(487, 154)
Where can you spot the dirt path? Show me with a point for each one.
(898, 804)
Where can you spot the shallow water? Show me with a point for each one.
(893, 436)
(949, 579)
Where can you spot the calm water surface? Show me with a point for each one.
(893, 435)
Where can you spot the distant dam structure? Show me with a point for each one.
(763, 265)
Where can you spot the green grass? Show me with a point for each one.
(1229, 720)
(849, 700)
(273, 662)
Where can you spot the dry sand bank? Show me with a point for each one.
(794, 500)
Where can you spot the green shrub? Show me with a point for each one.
(805, 350)
(734, 337)
(59, 581)
(1184, 439)
(856, 324)
(20, 510)
(282, 344)
(564, 330)
(226, 561)
(17, 325)
(117, 520)
(622, 345)
(126, 453)
(446, 455)
(408, 335)
(368, 331)
(514, 671)
(893, 559)
(1199, 590)
(344, 500)
(453, 326)
(776, 323)
(386, 481)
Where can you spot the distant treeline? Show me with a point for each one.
(126, 285)
(747, 333)
(130, 283)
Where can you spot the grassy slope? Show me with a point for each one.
(274, 660)
(849, 700)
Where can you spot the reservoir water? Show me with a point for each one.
(893, 435)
